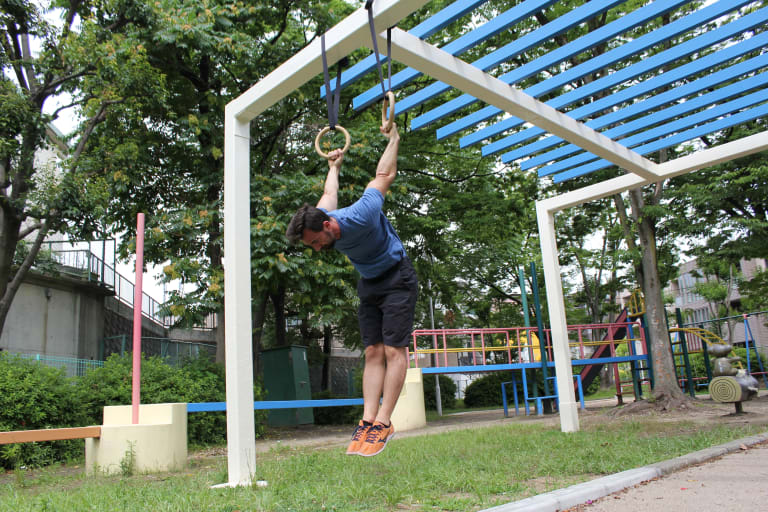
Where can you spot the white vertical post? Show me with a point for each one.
(569, 417)
(241, 434)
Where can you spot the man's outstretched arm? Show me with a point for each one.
(330, 198)
(387, 168)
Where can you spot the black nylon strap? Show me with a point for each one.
(369, 8)
(333, 103)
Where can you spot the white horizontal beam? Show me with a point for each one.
(677, 167)
(443, 66)
(347, 36)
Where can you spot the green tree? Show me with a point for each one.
(86, 62)
(169, 153)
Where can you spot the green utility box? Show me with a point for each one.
(286, 377)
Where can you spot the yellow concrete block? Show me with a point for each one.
(157, 443)
(409, 412)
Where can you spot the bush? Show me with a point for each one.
(447, 392)
(34, 396)
(486, 391)
(337, 415)
(593, 387)
(196, 380)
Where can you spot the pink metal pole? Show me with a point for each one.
(137, 289)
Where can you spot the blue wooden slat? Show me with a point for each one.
(512, 50)
(680, 124)
(423, 30)
(712, 98)
(544, 62)
(646, 87)
(679, 138)
(672, 30)
(459, 46)
(665, 79)
(682, 91)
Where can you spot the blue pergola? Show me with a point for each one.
(700, 73)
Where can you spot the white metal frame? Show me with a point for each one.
(352, 33)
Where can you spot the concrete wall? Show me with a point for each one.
(56, 316)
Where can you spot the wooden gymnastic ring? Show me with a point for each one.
(326, 130)
(387, 123)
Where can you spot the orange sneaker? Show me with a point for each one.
(357, 438)
(376, 439)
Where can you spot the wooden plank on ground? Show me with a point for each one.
(52, 434)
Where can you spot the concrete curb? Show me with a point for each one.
(568, 497)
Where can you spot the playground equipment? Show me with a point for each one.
(730, 385)
(538, 399)
(332, 98)
(623, 98)
(692, 340)
(470, 351)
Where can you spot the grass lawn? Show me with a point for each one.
(460, 470)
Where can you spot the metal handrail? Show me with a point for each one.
(95, 269)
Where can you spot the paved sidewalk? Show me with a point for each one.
(732, 476)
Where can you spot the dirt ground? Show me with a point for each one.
(702, 410)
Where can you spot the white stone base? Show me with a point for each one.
(409, 412)
(157, 443)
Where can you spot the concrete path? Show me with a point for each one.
(733, 476)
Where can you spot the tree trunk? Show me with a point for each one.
(10, 285)
(278, 301)
(259, 313)
(327, 341)
(220, 337)
(666, 392)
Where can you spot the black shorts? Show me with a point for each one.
(387, 304)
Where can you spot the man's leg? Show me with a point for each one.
(397, 364)
(373, 380)
(382, 430)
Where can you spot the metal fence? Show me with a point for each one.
(73, 367)
(170, 350)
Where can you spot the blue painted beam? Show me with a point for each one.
(517, 47)
(679, 124)
(706, 100)
(276, 404)
(623, 52)
(545, 62)
(459, 46)
(682, 91)
(673, 140)
(423, 30)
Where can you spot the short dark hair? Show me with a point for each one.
(307, 217)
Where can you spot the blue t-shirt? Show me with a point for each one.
(367, 237)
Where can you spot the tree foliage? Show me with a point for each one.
(85, 62)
